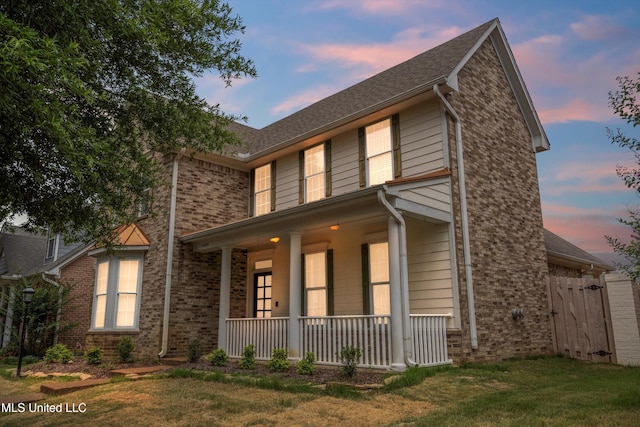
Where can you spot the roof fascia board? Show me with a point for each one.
(538, 136)
(582, 263)
(496, 34)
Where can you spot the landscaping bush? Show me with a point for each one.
(58, 353)
(217, 357)
(248, 360)
(125, 348)
(349, 356)
(93, 356)
(307, 366)
(194, 350)
(278, 361)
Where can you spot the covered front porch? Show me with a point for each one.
(371, 269)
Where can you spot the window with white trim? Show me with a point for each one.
(379, 278)
(315, 284)
(314, 173)
(379, 155)
(262, 190)
(116, 302)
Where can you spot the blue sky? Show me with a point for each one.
(569, 53)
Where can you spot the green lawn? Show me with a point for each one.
(544, 391)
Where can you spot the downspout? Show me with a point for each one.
(465, 219)
(59, 313)
(404, 280)
(169, 270)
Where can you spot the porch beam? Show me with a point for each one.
(295, 294)
(225, 296)
(395, 294)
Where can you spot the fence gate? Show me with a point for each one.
(581, 319)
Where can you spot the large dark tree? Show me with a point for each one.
(91, 91)
(625, 103)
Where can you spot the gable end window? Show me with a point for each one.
(379, 146)
(116, 301)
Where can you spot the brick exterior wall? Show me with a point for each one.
(75, 317)
(564, 271)
(505, 220)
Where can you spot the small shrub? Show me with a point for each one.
(125, 348)
(307, 366)
(279, 361)
(93, 356)
(217, 357)
(194, 350)
(248, 360)
(349, 356)
(58, 353)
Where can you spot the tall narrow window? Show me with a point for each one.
(379, 278)
(379, 152)
(315, 283)
(262, 289)
(117, 291)
(314, 173)
(262, 188)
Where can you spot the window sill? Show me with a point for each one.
(113, 331)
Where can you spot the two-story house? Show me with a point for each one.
(401, 215)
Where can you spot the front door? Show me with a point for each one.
(262, 292)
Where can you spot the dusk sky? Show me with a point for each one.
(568, 52)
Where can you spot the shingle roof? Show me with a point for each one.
(556, 245)
(22, 251)
(424, 69)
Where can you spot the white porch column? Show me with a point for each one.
(225, 296)
(295, 294)
(395, 294)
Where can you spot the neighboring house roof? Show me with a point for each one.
(22, 252)
(439, 65)
(560, 251)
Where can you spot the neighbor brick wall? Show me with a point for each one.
(505, 221)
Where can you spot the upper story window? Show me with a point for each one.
(380, 152)
(314, 173)
(116, 302)
(262, 189)
(51, 247)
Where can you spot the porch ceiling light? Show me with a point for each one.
(335, 227)
(274, 239)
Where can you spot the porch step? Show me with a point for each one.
(173, 361)
(68, 387)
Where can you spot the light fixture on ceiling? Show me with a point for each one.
(274, 239)
(335, 227)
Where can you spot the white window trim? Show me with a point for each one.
(373, 284)
(313, 250)
(112, 293)
(267, 190)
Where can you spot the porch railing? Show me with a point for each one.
(266, 334)
(326, 336)
(430, 339)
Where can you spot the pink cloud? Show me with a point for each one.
(575, 109)
(302, 99)
(381, 7)
(585, 228)
(598, 28)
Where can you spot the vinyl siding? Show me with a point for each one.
(287, 182)
(344, 162)
(421, 135)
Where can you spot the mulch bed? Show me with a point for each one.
(322, 374)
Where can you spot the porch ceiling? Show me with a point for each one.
(360, 207)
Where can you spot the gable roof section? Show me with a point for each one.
(560, 248)
(439, 65)
(22, 252)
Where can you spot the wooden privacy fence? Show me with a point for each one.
(581, 319)
(326, 336)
